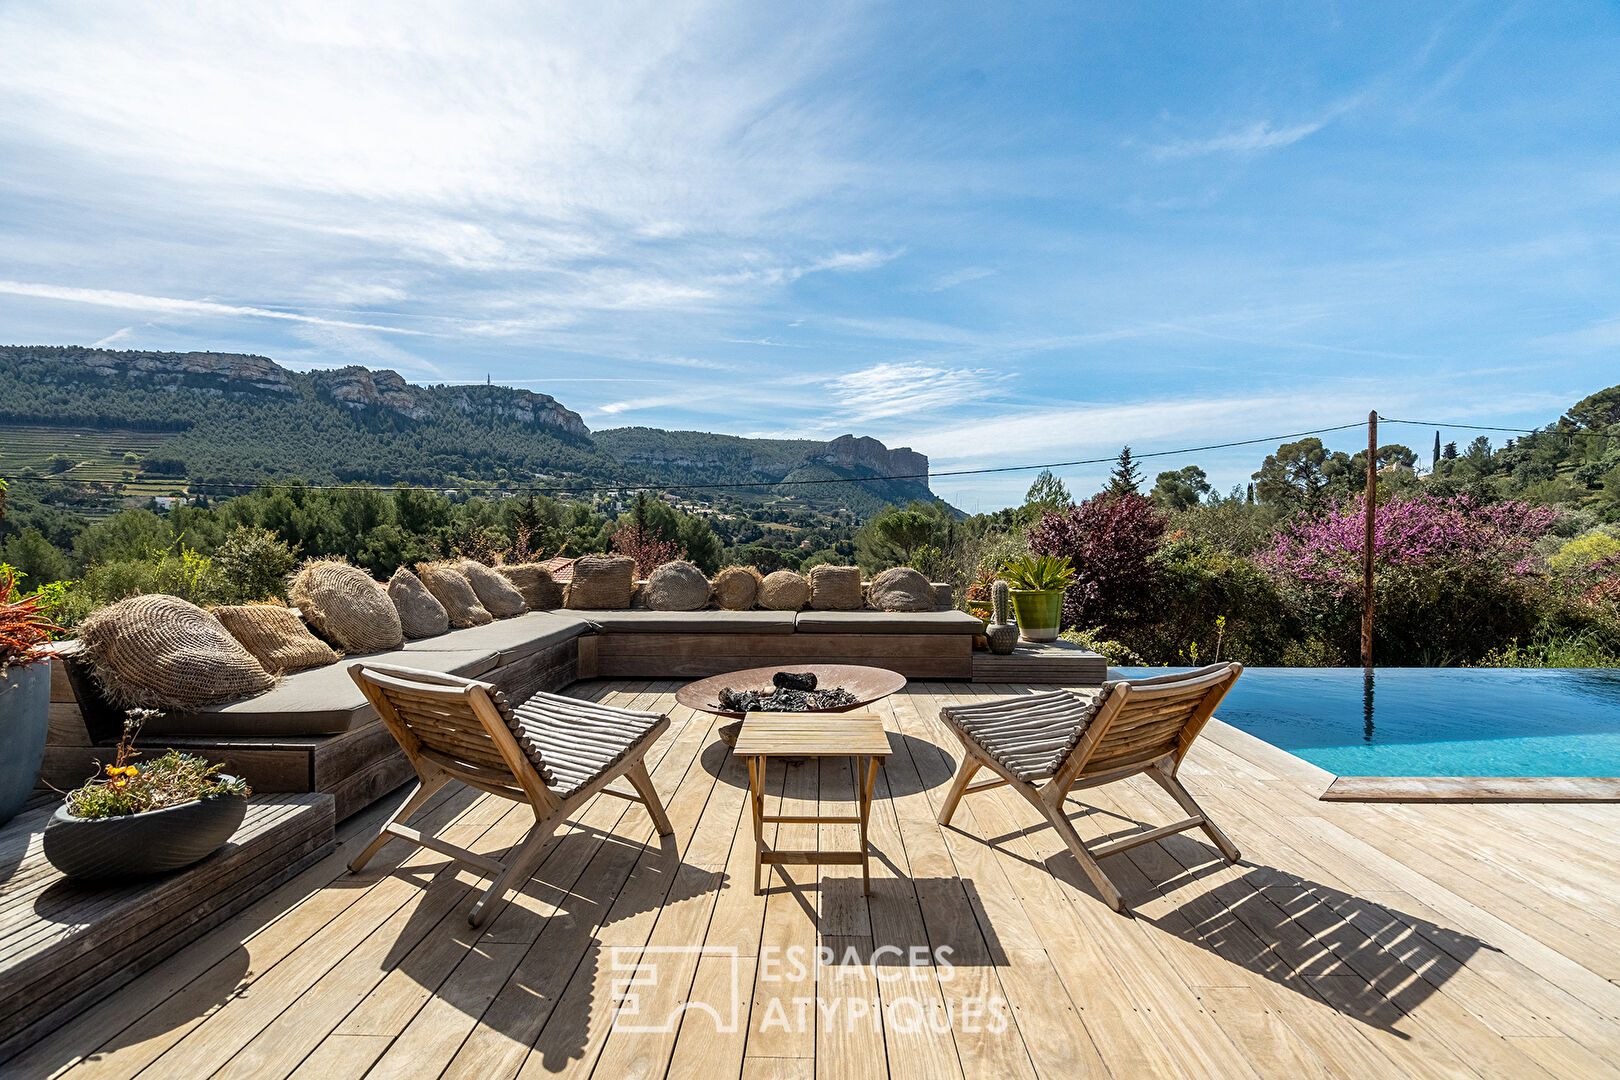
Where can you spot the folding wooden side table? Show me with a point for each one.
(811, 735)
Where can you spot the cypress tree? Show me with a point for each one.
(1127, 476)
(1436, 465)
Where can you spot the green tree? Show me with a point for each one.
(128, 534)
(1181, 489)
(1127, 475)
(1046, 493)
(36, 559)
(1293, 475)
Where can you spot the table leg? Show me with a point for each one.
(866, 782)
(756, 798)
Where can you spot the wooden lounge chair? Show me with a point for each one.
(551, 752)
(1045, 745)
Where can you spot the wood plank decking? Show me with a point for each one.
(1354, 940)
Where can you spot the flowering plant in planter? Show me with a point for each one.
(25, 692)
(24, 629)
(144, 819)
(127, 788)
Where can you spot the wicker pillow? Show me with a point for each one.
(901, 589)
(835, 588)
(162, 652)
(343, 605)
(540, 593)
(276, 636)
(784, 590)
(601, 583)
(451, 588)
(677, 586)
(499, 596)
(736, 588)
(420, 615)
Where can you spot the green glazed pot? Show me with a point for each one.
(1038, 612)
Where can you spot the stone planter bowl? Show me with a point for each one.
(135, 845)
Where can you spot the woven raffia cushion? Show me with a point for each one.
(276, 636)
(835, 588)
(534, 581)
(901, 589)
(784, 590)
(1029, 736)
(451, 589)
(572, 742)
(499, 596)
(677, 586)
(420, 614)
(343, 605)
(601, 583)
(736, 588)
(159, 651)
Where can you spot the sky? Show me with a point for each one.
(998, 234)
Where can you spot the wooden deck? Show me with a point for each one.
(1354, 940)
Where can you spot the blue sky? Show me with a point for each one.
(996, 233)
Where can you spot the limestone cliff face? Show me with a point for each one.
(362, 388)
(868, 456)
(204, 370)
(243, 375)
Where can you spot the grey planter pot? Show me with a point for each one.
(140, 844)
(25, 715)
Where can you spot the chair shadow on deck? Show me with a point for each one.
(535, 972)
(1369, 961)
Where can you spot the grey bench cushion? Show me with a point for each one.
(320, 701)
(887, 622)
(692, 622)
(1028, 736)
(512, 638)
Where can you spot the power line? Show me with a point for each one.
(602, 488)
(1511, 430)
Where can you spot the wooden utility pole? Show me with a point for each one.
(1367, 548)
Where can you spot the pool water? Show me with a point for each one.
(1432, 721)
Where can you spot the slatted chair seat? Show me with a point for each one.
(577, 741)
(551, 752)
(1046, 745)
(1029, 736)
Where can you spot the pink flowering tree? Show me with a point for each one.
(1110, 540)
(646, 547)
(1454, 577)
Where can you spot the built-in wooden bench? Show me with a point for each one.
(315, 731)
(65, 946)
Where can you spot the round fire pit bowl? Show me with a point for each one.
(868, 684)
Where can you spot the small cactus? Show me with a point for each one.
(1001, 633)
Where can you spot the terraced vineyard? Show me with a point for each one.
(83, 453)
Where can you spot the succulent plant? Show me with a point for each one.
(1001, 633)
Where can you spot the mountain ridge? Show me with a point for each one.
(243, 417)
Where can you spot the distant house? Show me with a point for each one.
(560, 569)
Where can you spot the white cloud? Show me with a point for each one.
(168, 305)
(960, 277)
(1250, 140)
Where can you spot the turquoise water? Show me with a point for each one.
(1432, 721)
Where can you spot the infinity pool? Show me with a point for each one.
(1432, 721)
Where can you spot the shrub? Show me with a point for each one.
(1454, 577)
(1203, 596)
(1110, 540)
(254, 564)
